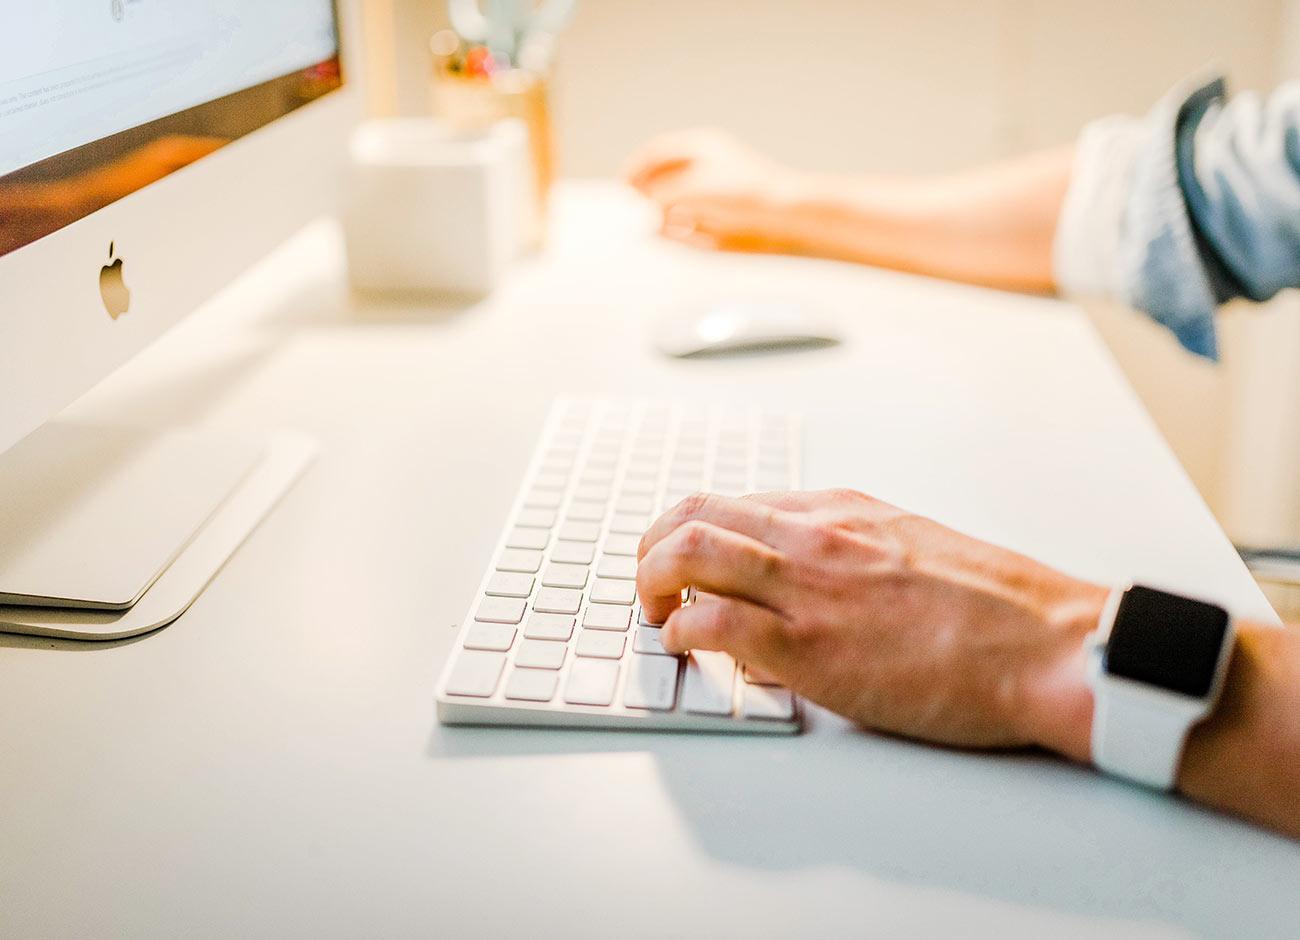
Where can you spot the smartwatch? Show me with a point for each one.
(1156, 665)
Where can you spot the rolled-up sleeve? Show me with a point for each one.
(1191, 206)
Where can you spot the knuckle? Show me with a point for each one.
(693, 539)
(843, 494)
(822, 536)
(770, 565)
(693, 505)
(798, 631)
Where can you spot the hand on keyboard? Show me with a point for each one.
(556, 634)
(885, 617)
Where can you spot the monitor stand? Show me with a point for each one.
(106, 533)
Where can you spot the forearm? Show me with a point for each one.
(1245, 758)
(992, 226)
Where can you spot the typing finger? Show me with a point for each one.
(755, 519)
(746, 631)
(709, 558)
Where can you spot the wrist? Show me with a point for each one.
(866, 219)
(1057, 700)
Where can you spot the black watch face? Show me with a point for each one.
(1167, 641)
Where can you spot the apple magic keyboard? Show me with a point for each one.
(555, 635)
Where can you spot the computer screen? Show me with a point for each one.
(99, 98)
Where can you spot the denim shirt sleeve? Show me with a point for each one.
(1209, 211)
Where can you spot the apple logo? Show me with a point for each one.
(117, 298)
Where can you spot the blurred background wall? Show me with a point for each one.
(929, 85)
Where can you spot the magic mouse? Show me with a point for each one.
(745, 325)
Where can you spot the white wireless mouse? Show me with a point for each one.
(745, 325)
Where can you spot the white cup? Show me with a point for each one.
(430, 208)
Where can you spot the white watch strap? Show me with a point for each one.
(1138, 730)
(1136, 734)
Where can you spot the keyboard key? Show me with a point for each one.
(629, 524)
(737, 466)
(648, 641)
(580, 531)
(586, 512)
(534, 539)
(596, 476)
(541, 654)
(622, 544)
(707, 689)
(643, 486)
(617, 566)
(764, 701)
(490, 636)
(544, 499)
(634, 503)
(600, 644)
(606, 591)
(476, 673)
(536, 518)
(557, 601)
(591, 681)
(548, 627)
(565, 576)
(685, 482)
(651, 683)
(643, 620)
(573, 553)
(500, 610)
(606, 617)
(532, 685)
(551, 481)
(520, 559)
(643, 470)
(509, 584)
(592, 493)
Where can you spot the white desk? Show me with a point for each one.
(270, 765)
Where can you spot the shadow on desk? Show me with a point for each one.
(1022, 828)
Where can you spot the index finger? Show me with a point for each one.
(748, 517)
(708, 558)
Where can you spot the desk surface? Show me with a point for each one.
(270, 764)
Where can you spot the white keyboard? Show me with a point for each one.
(555, 635)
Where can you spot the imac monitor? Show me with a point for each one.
(148, 151)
